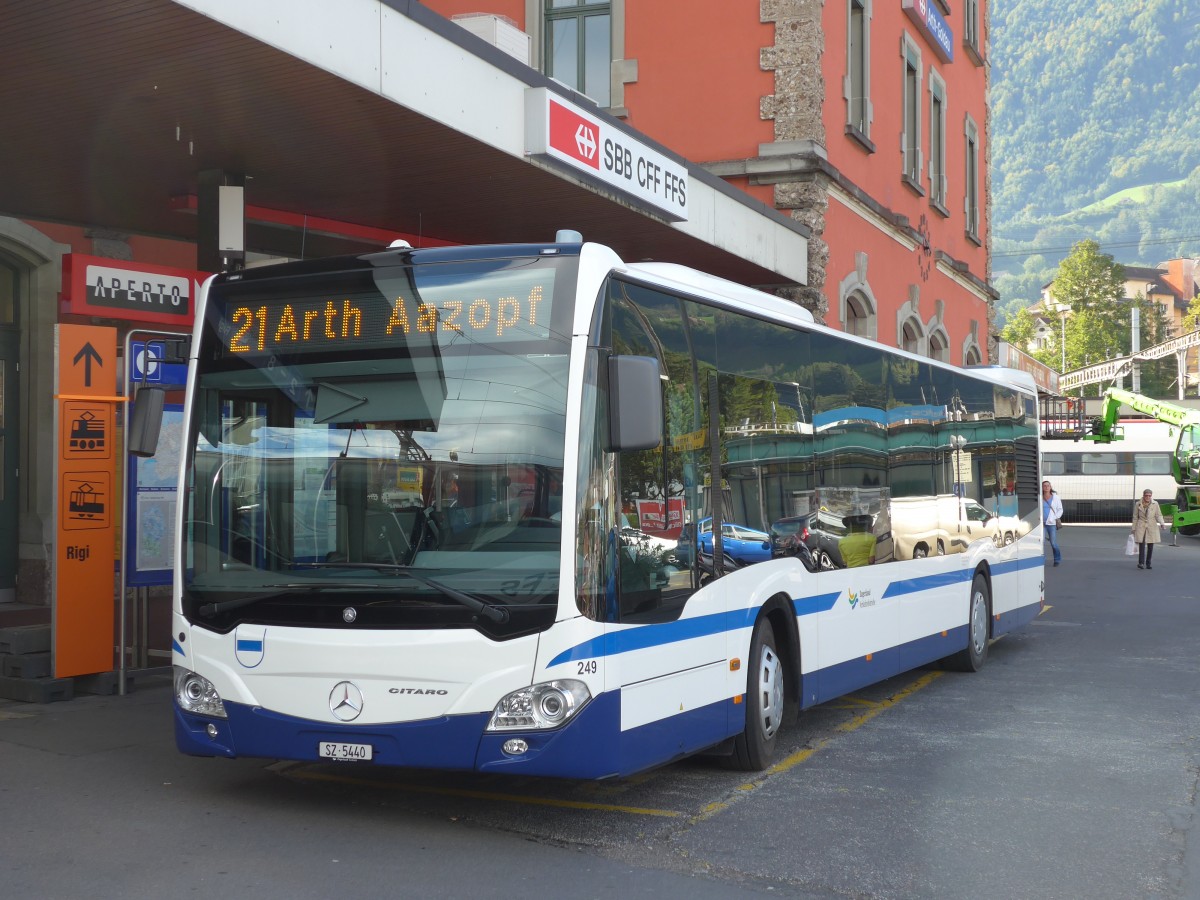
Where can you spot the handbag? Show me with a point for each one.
(1130, 546)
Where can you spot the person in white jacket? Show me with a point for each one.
(1051, 516)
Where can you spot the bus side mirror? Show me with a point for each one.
(635, 410)
(145, 421)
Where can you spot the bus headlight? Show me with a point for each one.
(540, 706)
(196, 694)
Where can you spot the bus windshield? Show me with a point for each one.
(384, 448)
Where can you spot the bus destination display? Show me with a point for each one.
(500, 307)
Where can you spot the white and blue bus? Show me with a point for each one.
(408, 477)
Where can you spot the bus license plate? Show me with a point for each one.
(354, 752)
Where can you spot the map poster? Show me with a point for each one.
(153, 482)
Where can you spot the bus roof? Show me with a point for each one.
(699, 283)
(399, 256)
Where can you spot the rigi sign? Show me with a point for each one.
(561, 131)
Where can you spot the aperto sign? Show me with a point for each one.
(135, 291)
(925, 14)
(561, 131)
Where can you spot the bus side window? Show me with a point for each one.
(651, 584)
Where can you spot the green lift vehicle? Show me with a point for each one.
(1184, 513)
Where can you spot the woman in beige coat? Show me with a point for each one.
(1147, 520)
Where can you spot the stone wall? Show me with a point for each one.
(795, 111)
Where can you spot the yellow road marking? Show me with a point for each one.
(853, 703)
(801, 756)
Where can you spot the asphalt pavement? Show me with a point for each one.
(1068, 767)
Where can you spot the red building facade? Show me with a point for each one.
(866, 120)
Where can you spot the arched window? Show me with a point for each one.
(971, 357)
(857, 310)
(910, 336)
(859, 315)
(939, 346)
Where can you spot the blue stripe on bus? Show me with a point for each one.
(806, 606)
(945, 579)
(647, 636)
(249, 646)
(801, 606)
(927, 582)
(177, 647)
(1016, 565)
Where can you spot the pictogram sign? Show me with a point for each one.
(87, 488)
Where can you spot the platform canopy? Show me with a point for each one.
(377, 113)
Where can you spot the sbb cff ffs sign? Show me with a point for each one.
(563, 132)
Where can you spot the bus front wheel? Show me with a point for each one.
(754, 748)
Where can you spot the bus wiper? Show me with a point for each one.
(476, 604)
(211, 609)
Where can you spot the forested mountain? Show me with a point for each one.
(1095, 134)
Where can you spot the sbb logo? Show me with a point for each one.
(585, 141)
(574, 135)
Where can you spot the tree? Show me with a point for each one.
(1020, 333)
(1191, 318)
(1020, 329)
(1092, 285)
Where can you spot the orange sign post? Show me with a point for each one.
(87, 506)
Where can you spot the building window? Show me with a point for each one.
(939, 346)
(971, 358)
(579, 46)
(971, 200)
(937, 143)
(971, 36)
(857, 86)
(859, 316)
(911, 138)
(910, 336)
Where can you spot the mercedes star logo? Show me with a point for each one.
(345, 701)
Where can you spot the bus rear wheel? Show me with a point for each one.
(754, 748)
(972, 658)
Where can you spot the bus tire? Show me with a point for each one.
(754, 748)
(972, 658)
